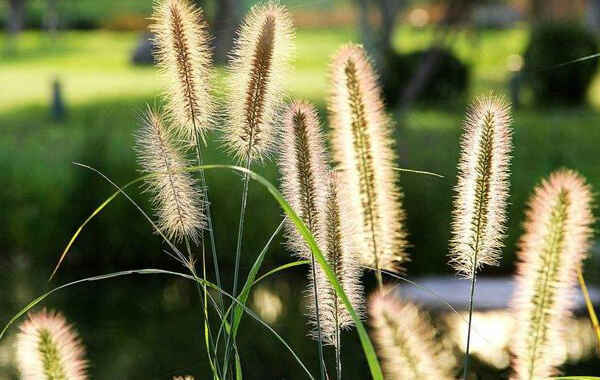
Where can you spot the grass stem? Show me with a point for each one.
(318, 318)
(238, 250)
(338, 343)
(471, 297)
(590, 306)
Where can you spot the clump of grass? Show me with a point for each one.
(48, 348)
(405, 339)
(363, 152)
(177, 200)
(185, 61)
(257, 71)
(557, 236)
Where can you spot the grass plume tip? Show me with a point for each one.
(479, 215)
(405, 339)
(177, 199)
(363, 151)
(257, 77)
(48, 348)
(557, 235)
(184, 58)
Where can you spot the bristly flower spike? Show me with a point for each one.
(405, 339)
(363, 151)
(482, 190)
(48, 348)
(557, 235)
(303, 166)
(344, 260)
(177, 199)
(184, 57)
(258, 68)
(304, 184)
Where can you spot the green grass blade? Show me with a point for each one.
(280, 268)
(365, 341)
(85, 222)
(238, 367)
(243, 297)
(146, 272)
(418, 172)
(224, 324)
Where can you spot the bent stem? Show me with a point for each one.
(367, 345)
(590, 306)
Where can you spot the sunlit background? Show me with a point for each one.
(75, 76)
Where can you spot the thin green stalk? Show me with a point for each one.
(466, 369)
(318, 315)
(338, 344)
(590, 306)
(203, 299)
(367, 345)
(150, 271)
(208, 215)
(238, 249)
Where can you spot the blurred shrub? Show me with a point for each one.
(552, 44)
(127, 22)
(448, 81)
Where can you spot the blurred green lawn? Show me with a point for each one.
(105, 94)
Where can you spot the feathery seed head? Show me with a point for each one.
(344, 259)
(557, 235)
(184, 58)
(363, 150)
(405, 339)
(177, 199)
(183, 378)
(303, 169)
(258, 69)
(482, 189)
(48, 348)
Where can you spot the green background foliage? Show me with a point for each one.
(149, 327)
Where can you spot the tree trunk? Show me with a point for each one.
(16, 15)
(227, 19)
(378, 38)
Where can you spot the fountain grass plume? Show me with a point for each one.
(304, 184)
(303, 166)
(48, 348)
(177, 199)
(363, 151)
(482, 190)
(184, 59)
(257, 78)
(405, 339)
(557, 235)
(344, 260)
